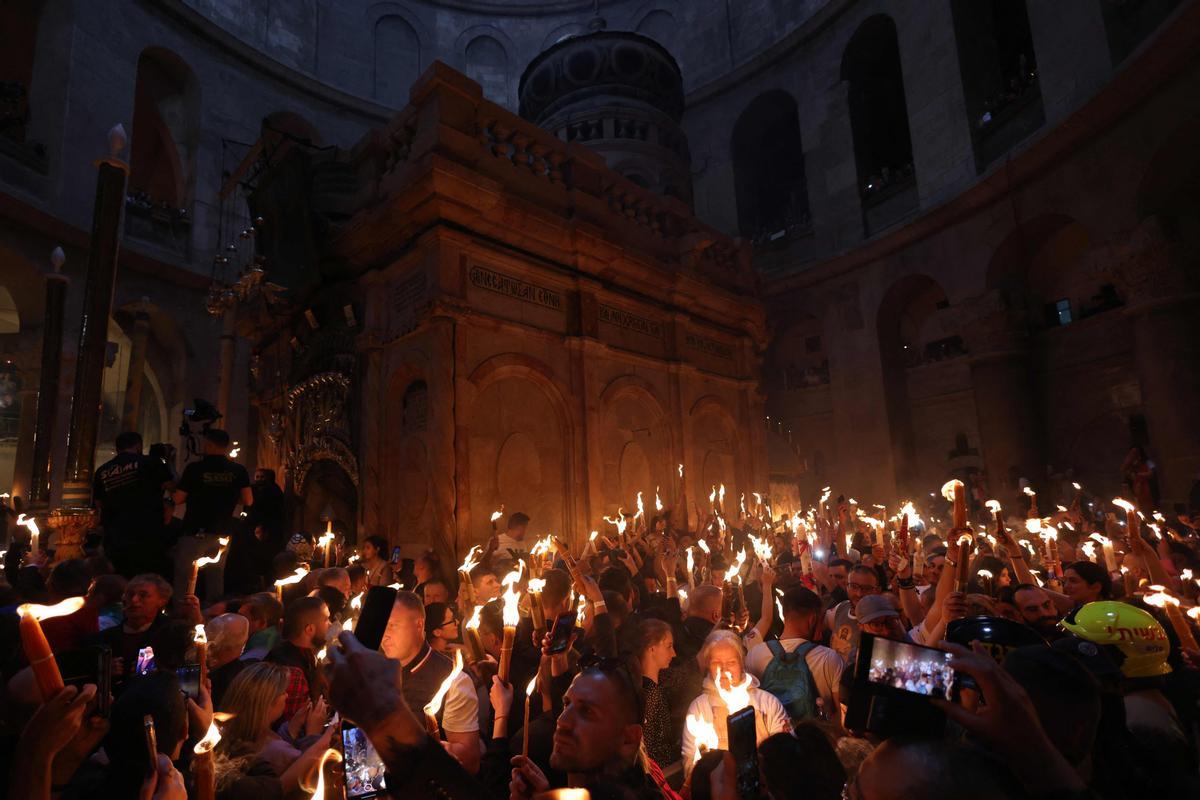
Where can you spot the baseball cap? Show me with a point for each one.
(873, 607)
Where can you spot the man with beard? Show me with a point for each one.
(596, 739)
(305, 624)
(1037, 610)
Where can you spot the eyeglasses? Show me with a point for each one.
(615, 666)
(451, 621)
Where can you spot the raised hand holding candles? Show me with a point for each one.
(471, 637)
(1160, 598)
(37, 649)
(34, 532)
(469, 563)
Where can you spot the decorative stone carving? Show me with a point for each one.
(990, 325)
(319, 427)
(1146, 267)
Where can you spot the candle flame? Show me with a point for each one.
(1194, 613)
(497, 514)
(704, 734)
(965, 538)
(30, 523)
(910, 511)
(472, 560)
(712, 496)
(1078, 488)
(738, 563)
(993, 506)
(641, 508)
(1185, 574)
(779, 607)
(319, 792)
(983, 573)
(1089, 550)
(721, 495)
(61, 609)
(435, 705)
(200, 637)
(658, 505)
(593, 536)
(1123, 503)
(353, 557)
(536, 585)
(737, 696)
(1049, 534)
(691, 560)
(210, 740)
(948, 488)
(1101, 538)
(618, 521)
(1159, 597)
(234, 452)
(1033, 525)
(742, 504)
(532, 685)
(295, 577)
(512, 616)
(1028, 490)
(704, 546)
(681, 470)
(473, 622)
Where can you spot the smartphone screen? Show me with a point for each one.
(560, 638)
(743, 746)
(396, 554)
(363, 767)
(910, 668)
(189, 680)
(145, 661)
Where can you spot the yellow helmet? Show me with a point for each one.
(1130, 634)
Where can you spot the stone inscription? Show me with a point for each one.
(623, 319)
(708, 346)
(513, 287)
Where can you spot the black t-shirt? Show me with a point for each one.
(129, 489)
(214, 488)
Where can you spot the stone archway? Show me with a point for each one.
(327, 489)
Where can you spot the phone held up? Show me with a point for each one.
(893, 684)
(560, 636)
(362, 766)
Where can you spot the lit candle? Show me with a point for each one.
(200, 639)
(1053, 565)
(528, 702)
(955, 492)
(464, 571)
(1133, 523)
(295, 577)
(204, 561)
(474, 643)
(536, 585)
(512, 618)
(964, 562)
(1160, 598)
(497, 514)
(37, 649)
(34, 533)
(326, 543)
(434, 706)
(204, 775)
(1033, 506)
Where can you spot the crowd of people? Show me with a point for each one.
(622, 665)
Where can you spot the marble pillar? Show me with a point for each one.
(131, 416)
(41, 466)
(26, 429)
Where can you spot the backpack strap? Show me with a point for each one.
(776, 648)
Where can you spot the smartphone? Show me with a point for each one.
(363, 768)
(560, 637)
(910, 668)
(189, 680)
(743, 746)
(145, 661)
(86, 665)
(396, 557)
(372, 622)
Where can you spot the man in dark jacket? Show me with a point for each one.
(128, 490)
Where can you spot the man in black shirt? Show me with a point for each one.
(129, 493)
(212, 488)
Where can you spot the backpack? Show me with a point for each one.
(788, 677)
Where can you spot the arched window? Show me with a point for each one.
(19, 22)
(397, 60)
(1127, 23)
(879, 118)
(487, 65)
(768, 169)
(999, 74)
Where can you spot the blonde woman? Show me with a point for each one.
(251, 753)
(723, 660)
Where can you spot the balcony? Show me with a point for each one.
(888, 197)
(14, 128)
(158, 224)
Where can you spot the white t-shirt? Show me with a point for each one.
(460, 714)
(508, 547)
(825, 665)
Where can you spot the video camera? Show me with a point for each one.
(204, 414)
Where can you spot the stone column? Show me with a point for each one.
(26, 428)
(47, 397)
(1163, 306)
(93, 331)
(132, 414)
(1009, 423)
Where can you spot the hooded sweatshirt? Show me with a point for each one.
(769, 717)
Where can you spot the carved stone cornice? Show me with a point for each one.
(1147, 266)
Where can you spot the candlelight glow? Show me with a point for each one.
(1078, 488)
(210, 739)
(712, 496)
(593, 536)
(737, 696)
(993, 506)
(1029, 491)
(62, 609)
(353, 557)
(204, 561)
(757, 498)
(511, 597)
(704, 734)
(200, 637)
(234, 452)
(319, 792)
(497, 514)
(532, 685)
(324, 651)
(1194, 613)
(738, 563)
(691, 561)
(1159, 597)
(474, 555)
(1101, 538)
(30, 523)
(536, 585)
(910, 511)
(473, 622)
(704, 546)
(1123, 503)
(983, 573)
(1089, 550)
(779, 607)
(641, 508)
(295, 577)
(435, 705)
(742, 504)
(1033, 525)
(948, 488)
(825, 493)
(618, 521)
(681, 470)
(721, 495)
(658, 506)
(1185, 574)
